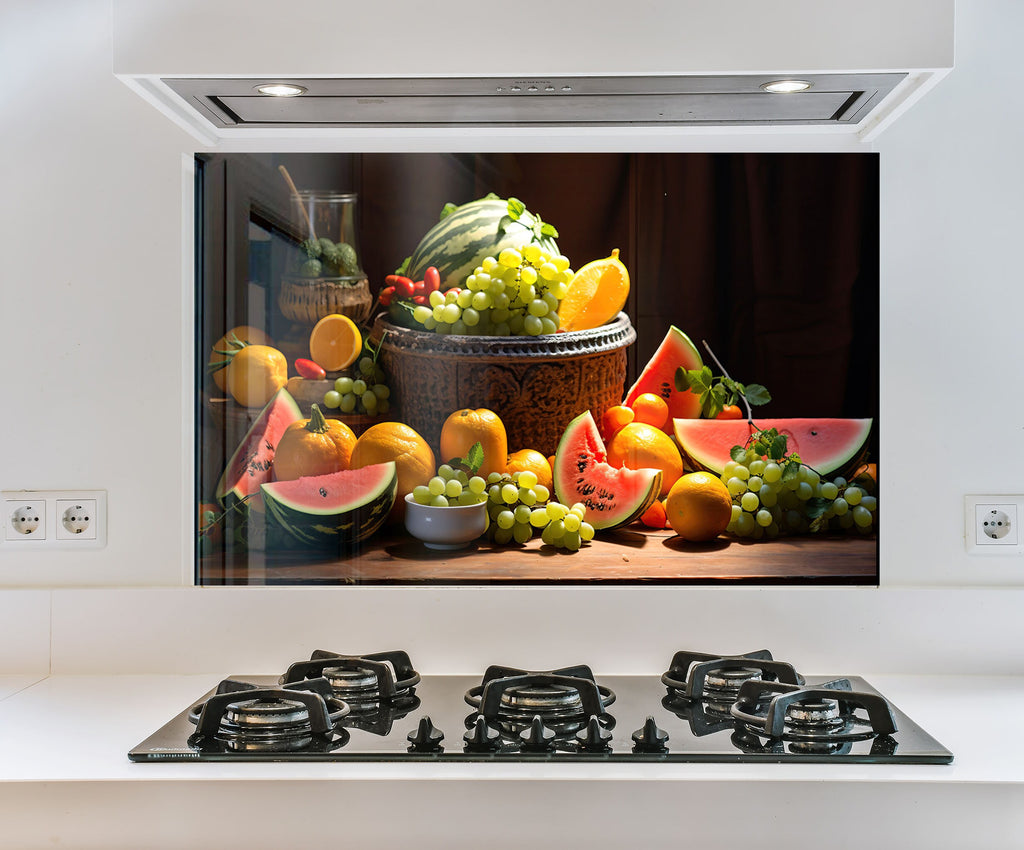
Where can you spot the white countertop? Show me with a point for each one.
(64, 741)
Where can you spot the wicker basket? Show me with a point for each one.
(537, 385)
(307, 300)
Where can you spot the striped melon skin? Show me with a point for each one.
(458, 243)
(356, 504)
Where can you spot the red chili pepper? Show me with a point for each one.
(432, 279)
(419, 286)
(405, 286)
(310, 370)
(420, 299)
(386, 294)
(391, 278)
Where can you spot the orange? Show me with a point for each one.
(226, 347)
(466, 427)
(533, 461)
(614, 419)
(650, 409)
(655, 516)
(255, 373)
(314, 446)
(335, 342)
(642, 446)
(699, 506)
(394, 441)
(596, 294)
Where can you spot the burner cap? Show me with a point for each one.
(266, 714)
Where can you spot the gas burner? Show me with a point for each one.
(810, 718)
(366, 682)
(717, 679)
(563, 699)
(246, 718)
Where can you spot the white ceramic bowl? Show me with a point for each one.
(453, 527)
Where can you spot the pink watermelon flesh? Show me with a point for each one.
(337, 509)
(659, 377)
(826, 445)
(252, 463)
(613, 497)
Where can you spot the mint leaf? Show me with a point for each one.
(405, 265)
(682, 380)
(548, 230)
(756, 395)
(447, 210)
(515, 208)
(816, 507)
(738, 454)
(505, 221)
(474, 458)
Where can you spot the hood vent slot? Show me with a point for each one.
(533, 102)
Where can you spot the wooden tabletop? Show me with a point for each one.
(631, 555)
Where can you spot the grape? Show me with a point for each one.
(539, 518)
(532, 325)
(586, 531)
(464, 298)
(754, 483)
(382, 391)
(453, 488)
(509, 494)
(556, 511)
(527, 478)
(369, 400)
(422, 494)
(854, 495)
(541, 492)
(763, 518)
(741, 472)
(804, 491)
(506, 519)
(477, 485)
(470, 317)
(749, 501)
(359, 387)
(869, 502)
(421, 313)
(502, 536)
(757, 467)
(366, 366)
(436, 486)
(348, 402)
(527, 496)
(332, 399)
(522, 514)
(862, 516)
(829, 490)
(343, 385)
(522, 532)
(745, 524)
(548, 325)
(772, 473)
(439, 502)
(736, 485)
(572, 522)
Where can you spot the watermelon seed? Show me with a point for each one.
(323, 492)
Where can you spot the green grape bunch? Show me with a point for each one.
(774, 494)
(518, 506)
(516, 293)
(363, 390)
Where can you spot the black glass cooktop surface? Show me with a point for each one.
(565, 715)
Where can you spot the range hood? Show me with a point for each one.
(359, 71)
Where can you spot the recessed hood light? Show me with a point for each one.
(786, 86)
(280, 90)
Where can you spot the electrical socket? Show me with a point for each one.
(991, 525)
(54, 519)
(24, 519)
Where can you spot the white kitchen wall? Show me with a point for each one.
(92, 342)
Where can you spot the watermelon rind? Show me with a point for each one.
(659, 376)
(825, 445)
(458, 243)
(334, 510)
(252, 462)
(613, 497)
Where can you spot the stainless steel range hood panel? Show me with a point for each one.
(508, 102)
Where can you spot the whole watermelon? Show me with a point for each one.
(458, 243)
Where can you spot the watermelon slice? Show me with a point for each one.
(333, 510)
(826, 445)
(251, 464)
(612, 496)
(659, 377)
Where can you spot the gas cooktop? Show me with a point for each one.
(704, 708)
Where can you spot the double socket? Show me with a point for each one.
(54, 519)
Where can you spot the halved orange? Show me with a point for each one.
(596, 294)
(335, 342)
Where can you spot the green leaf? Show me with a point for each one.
(738, 453)
(515, 208)
(791, 470)
(405, 265)
(474, 458)
(548, 230)
(505, 221)
(816, 506)
(682, 380)
(777, 450)
(756, 394)
(447, 210)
